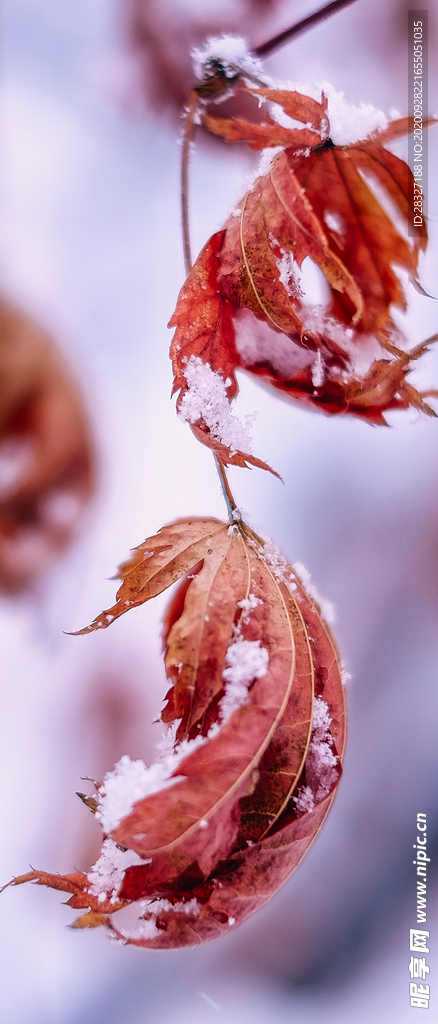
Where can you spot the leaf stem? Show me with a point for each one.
(301, 26)
(189, 127)
(233, 510)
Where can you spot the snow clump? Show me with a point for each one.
(147, 928)
(230, 53)
(245, 661)
(207, 399)
(277, 563)
(321, 770)
(107, 874)
(129, 782)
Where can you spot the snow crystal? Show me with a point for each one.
(267, 156)
(317, 320)
(276, 562)
(147, 927)
(281, 117)
(107, 874)
(318, 371)
(327, 610)
(345, 676)
(230, 52)
(321, 772)
(166, 743)
(245, 661)
(305, 801)
(129, 782)
(248, 604)
(144, 930)
(207, 399)
(349, 123)
(321, 720)
(289, 274)
(156, 907)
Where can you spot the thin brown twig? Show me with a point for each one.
(189, 127)
(301, 26)
(185, 159)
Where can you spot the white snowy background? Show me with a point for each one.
(90, 246)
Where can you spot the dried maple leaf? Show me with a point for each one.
(212, 829)
(242, 304)
(45, 450)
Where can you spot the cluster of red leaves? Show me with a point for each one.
(252, 666)
(46, 472)
(313, 201)
(219, 841)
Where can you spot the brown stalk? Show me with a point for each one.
(301, 26)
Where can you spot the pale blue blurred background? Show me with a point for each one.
(90, 246)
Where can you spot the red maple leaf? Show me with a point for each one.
(242, 304)
(208, 833)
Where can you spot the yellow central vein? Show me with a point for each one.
(248, 270)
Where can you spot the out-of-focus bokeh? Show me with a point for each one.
(90, 248)
(46, 462)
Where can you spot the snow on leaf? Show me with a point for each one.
(204, 343)
(211, 830)
(221, 771)
(206, 399)
(271, 133)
